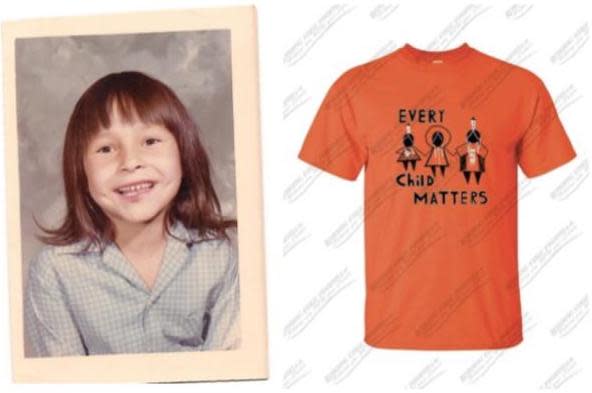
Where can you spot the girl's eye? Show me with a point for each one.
(152, 141)
(104, 149)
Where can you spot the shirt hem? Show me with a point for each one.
(325, 168)
(441, 347)
(550, 167)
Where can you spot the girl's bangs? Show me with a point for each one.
(131, 109)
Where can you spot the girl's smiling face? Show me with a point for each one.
(133, 171)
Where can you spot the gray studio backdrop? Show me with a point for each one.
(52, 73)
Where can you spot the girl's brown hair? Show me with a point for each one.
(138, 97)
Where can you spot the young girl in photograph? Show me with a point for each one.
(143, 261)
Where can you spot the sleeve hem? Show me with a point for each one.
(331, 170)
(550, 167)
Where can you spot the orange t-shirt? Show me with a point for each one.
(440, 237)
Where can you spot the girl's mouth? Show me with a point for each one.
(132, 192)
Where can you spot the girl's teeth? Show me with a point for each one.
(135, 188)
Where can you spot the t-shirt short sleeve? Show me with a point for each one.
(544, 145)
(334, 143)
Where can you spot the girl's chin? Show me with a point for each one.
(140, 219)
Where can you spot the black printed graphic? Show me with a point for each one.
(409, 154)
(438, 137)
(472, 154)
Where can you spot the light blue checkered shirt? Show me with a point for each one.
(86, 303)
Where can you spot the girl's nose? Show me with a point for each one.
(130, 160)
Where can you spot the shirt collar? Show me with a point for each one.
(178, 230)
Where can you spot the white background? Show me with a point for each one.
(315, 287)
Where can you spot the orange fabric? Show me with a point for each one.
(440, 241)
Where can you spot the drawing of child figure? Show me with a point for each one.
(472, 154)
(438, 137)
(408, 154)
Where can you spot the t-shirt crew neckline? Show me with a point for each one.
(437, 61)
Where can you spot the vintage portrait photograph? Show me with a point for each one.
(125, 157)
